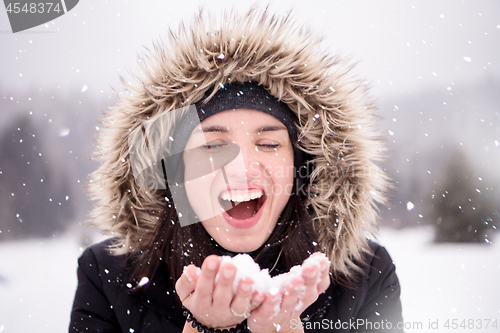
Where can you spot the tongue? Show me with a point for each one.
(243, 210)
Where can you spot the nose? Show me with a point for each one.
(245, 166)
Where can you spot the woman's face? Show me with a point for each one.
(239, 204)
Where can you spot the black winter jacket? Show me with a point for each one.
(104, 300)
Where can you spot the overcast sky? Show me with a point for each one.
(402, 46)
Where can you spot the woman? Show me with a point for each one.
(241, 137)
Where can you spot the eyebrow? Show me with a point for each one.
(220, 129)
(214, 128)
(271, 128)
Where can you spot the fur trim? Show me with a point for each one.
(335, 125)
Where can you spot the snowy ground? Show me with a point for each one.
(440, 282)
(37, 284)
(443, 282)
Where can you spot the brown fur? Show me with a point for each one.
(286, 60)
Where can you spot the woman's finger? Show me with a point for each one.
(266, 314)
(257, 299)
(223, 292)
(206, 281)
(325, 277)
(292, 300)
(310, 276)
(269, 308)
(241, 303)
(185, 284)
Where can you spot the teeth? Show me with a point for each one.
(242, 196)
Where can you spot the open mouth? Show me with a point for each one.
(242, 204)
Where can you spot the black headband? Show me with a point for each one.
(251, 96)
(247, 95)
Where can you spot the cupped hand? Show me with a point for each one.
(212, 304)
(279, 308)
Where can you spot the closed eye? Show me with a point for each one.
(269, 146)
(213, 146)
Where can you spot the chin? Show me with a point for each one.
(237, 245)
(236, 239)
(239, 249)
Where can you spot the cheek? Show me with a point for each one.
(200, 196)
(282, 176)
(197, 188)
(282, 188)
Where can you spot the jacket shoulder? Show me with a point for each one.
(380, 262)
(98, 261)
(383, 291)
(92, 305)
(102, 249)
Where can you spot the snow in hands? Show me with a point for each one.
(262, 281)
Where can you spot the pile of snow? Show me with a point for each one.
(262, 281)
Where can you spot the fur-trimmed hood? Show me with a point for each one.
(335, 124)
